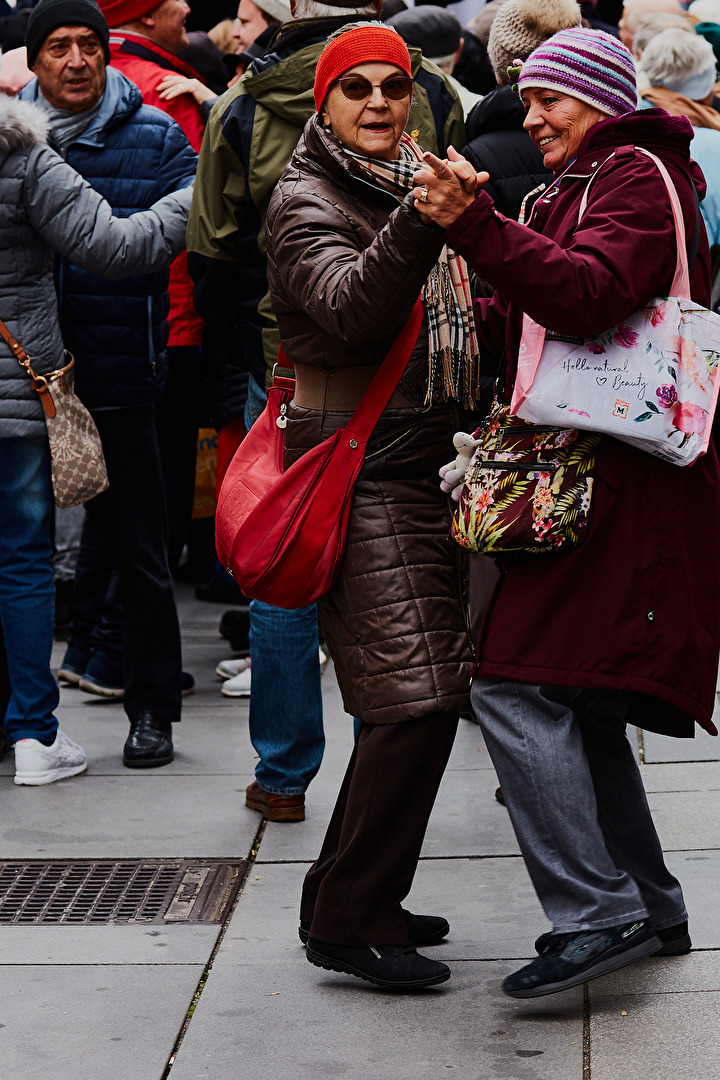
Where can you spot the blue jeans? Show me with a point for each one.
(27, 597)
(286, 721)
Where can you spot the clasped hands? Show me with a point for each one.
(446, 188)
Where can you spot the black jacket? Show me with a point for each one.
(499, 144)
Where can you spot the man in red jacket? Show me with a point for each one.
(144, 39)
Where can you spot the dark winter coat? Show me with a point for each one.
(46, 207)
(637, 606)
(346, 264)
(498, 143)
(132, 155)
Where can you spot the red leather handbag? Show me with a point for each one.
(282, 534)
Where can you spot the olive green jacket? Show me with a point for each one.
(251, 134)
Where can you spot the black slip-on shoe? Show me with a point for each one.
(675, 941)
(586, 956)
(149, 743)
(395, 967)
(423, 930)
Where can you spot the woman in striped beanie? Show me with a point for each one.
(625, 628)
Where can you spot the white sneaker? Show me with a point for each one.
(38, 764)
(228, 669)
(238, 686)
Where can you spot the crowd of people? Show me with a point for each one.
(179, 203)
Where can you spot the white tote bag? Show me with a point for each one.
(652, 381)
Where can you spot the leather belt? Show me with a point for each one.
(337, 389)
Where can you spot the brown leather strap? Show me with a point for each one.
(15, 346)
(39, 383)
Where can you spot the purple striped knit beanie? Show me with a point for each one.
(585, 64)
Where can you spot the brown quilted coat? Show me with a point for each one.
(346, 263)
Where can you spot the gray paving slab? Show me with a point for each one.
(682, 776)
(490, 904)
(466, 819)
(687, 820)
(703, 747)
(699, 873)
(145, 814)
(656, 1037)
(88, 1023)
(212, 745)
(698, 971)
(122, 944)
(286, 1018)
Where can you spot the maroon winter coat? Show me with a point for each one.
(637, 606)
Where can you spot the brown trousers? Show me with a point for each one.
(354, 890)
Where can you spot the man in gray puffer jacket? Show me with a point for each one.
(46, 207)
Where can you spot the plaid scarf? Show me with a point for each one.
(452, 341)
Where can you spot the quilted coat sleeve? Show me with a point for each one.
(594, 274)
(318, 264)
(77, 223)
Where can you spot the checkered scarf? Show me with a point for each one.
(452, 341)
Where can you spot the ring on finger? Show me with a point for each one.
(423, 196)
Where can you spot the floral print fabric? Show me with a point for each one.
(527, 489)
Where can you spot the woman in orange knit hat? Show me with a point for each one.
(348, 256)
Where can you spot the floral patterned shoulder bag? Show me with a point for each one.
(652, 381)
(527, 489)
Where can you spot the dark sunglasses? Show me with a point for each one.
(394, 88)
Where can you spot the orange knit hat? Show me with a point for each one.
(363, 45)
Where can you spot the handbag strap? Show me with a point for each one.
(15, 347)
(39, 382)
(375, 399)
(681, 280)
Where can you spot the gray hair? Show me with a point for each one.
(681, 62)
(313, 9)
(705, 10)
(354, 26)
(650, 25)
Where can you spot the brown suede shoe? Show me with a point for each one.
(275, 807)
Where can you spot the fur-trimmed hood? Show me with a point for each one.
(21, 126)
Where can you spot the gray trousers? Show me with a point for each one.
(577, 804)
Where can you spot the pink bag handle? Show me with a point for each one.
(681, 281)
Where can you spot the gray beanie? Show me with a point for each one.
(520, 26)
(276, 9)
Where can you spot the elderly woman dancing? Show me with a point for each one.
(624, 628)
(348, 256)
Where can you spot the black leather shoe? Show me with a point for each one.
(395, 967)
(422, 929)
(149, 743)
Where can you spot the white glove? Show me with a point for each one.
(452, 476)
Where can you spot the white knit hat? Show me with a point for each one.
(520, 26)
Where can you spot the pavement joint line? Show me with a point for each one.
(586, 1032)
(187, 1020)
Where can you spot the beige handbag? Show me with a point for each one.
(76, 454)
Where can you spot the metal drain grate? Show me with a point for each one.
(127, 891)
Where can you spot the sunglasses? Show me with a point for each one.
(394, 88)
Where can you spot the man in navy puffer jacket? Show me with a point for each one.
(132, 155)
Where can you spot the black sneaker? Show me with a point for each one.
(395, 967)
(586, 956)
(675, 941)
(423, 930)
